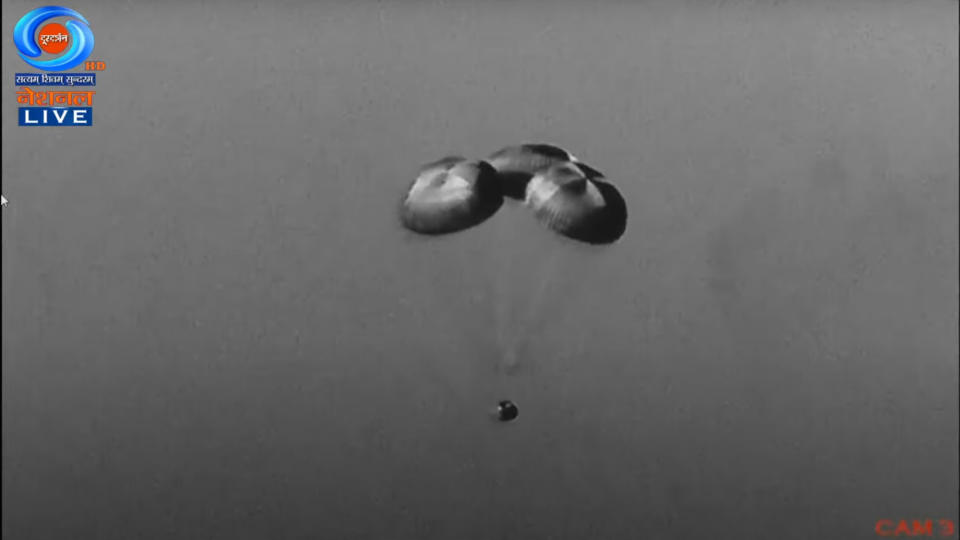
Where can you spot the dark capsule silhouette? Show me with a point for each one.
(566, 200)
(450, 195)
(507, 411)
(516, 165)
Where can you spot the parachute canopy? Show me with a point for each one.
(450, 195)
(568, 196)
(516, 165)
(565, 199)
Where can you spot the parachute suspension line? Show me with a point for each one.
(540, 280)
(504, 296)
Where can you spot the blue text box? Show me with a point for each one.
(55, 116)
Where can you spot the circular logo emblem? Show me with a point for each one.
(74, 37)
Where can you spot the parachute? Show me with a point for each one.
(516, 165)
(567, 201)
(542, 249)
(450, 195)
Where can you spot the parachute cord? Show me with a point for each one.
(503, 295)
(511, 348)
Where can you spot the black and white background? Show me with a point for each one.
(213, 327)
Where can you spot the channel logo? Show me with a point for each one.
(53, 38)
(46, 42)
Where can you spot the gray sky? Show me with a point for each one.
(213, 326)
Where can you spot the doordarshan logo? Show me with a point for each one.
(53, 38)
(66, 45)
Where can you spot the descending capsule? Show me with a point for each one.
(516, 165)
(567, 200)
(450, 195)
(506, 411)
